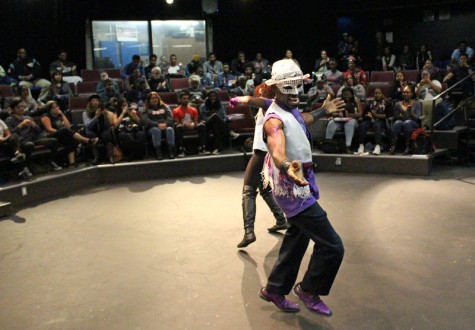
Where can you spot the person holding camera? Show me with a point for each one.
(130, 135)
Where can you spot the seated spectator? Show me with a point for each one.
(290, 55)
(57, 126)
(422, 56)
(459, 72)
(157, 82)
(186, 119)
(129, 133)
(214, 116)
(174, 69)
(261, 66)
(98, 122)
(101, 84)
(30, 135)
(426, 90)
(319, 92)
(32, 108)
(212, 68)
(59, 91)
(240, 89)
(158, 120)
(5, 79)
(388, 60)
(343, 48)
(132, 81)
(462, 49)
(27, 71)
(346, 119)
(10, 144)
(433, 70)
(163, 65)
(67, 68)
(406, 116)
(152, 64)
(359, 74)
(358, 89)
(226, 79)
(322, 64)
(132, 66)
(139, 92)
(406, 59)
(355, 52)
(239, 64)
(333, 76)
(109, 92)
(205, 82)
(193, 65)
(374, 116)
(397, 86)
(196, 91)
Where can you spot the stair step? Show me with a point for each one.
(5, 209)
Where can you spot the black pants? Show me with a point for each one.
(65, 136)
(132, 144)
(180, 132)
(49, 143)
(10, 146)
(310, 224)
(378, 126)
(220, 130)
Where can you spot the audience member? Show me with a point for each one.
(379, 50)
(27, 71)
(239, 64)
(212, 68)
(290, 55)
(334, 77)
(343, 48)
(388, 60)
(240, 89)
(152, 64)
(163, 65)
(426, 90)
(30, 135)
(139, 91)
(355, 52)
(346, 119)
(32, 108)
(156, 81)
(462, 49)
(406, 115)
(319, 92)
(57, 125)
(98, 122)
(101, 84)
(128, 129)
(214, 116)
(226, 79)
(186, 119)
(193, 65)
(5, 79)
(67, 68)
(397, 86)
(359, 74)
(10, 144)
(109, 92)
(132, 66)
(459, 72)
(174, 69)
(322, 64)
(158, 119)
(422, 56)
(406, 59)
(197, 92)
(358, 89)
(374, 116)
(433, 70)
(59, 91)
(261, 66)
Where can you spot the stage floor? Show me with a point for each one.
(162, 255)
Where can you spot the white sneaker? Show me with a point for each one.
(360, 150)
(202, 151)
(216, 152)
(233, 135)
(377, 150)
(55, 166)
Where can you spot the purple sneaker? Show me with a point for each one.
(279, 300)
(312, 302)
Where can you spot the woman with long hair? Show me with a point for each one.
(213, 114)
(128, 127)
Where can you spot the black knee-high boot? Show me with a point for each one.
(392, 149)
(281, 221)
(249, 215)
(407, 151)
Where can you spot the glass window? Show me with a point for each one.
(115, 42)
(183, 38)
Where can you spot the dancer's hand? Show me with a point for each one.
(333, 105)
(295, 173)
(234, 102)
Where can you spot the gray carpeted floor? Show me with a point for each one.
(162, 255)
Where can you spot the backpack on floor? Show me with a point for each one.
(421, 142)
(330, 146)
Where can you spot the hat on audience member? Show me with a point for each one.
(196, 58)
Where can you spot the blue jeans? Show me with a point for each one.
(156, 134)
(310, 224)
(407, 126)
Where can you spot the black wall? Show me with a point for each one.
(270, 27)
